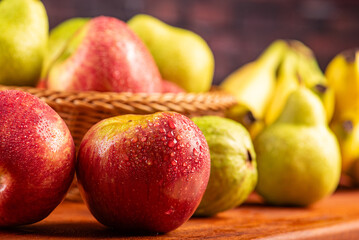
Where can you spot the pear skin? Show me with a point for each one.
(182, 56)
(298, 157)
(23, 39)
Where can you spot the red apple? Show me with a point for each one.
(171, 87)
(105, 55)
(37, 159)
(143, 172)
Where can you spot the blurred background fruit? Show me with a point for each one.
(105, 55)
(182, 56)
(58, 39)
(343, 76)
(261, 87)
(236, 31)
(23, 40)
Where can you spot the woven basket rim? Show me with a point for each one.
(214, 90)
(213, 100)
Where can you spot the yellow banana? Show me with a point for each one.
(287, 82)
(254, 83)
(313, 78)
(243, 114)
(343, 75)
(347, 131)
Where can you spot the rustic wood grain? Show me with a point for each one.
(336, 217)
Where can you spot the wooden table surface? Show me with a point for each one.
(336, 217)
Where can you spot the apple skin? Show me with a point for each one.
(37, 159)
(143, 173)
(105, 55)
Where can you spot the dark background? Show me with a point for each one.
(237, 31)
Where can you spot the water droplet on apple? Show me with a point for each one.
(163, 138)
(134, 139)
(195, 152)
(184, 164)
(162, 130)
(171, 124)
(170, 211)
(144, 139)
(178, 137)
(170, 134)
(173, 154)
(174, 162)
(171, 143)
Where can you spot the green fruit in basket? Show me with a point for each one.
(233, 164)
(298, 157)
(182, 56)
(58, 38)
(23, 39)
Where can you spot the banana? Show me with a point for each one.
(287, 82)
(343, 75)
(313, 78)
(347, 132)
(253, 85)
(243, 114)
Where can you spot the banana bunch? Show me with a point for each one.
(261, 87)
(253, 86)
(343, 76)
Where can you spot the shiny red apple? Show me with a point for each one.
(37, 159)
(105, 55)
(143, 173)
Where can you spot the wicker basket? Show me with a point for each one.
(81, 110)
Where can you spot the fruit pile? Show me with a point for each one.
(291, 135)
(100, 54)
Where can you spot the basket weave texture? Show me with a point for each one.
(81, 110)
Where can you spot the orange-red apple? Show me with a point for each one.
(105, 55)
(37, 159)
(143, 173)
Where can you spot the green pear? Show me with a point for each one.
(233, 164)
(58, 39)
(23, 39)
(182, 56)
(298, 156)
